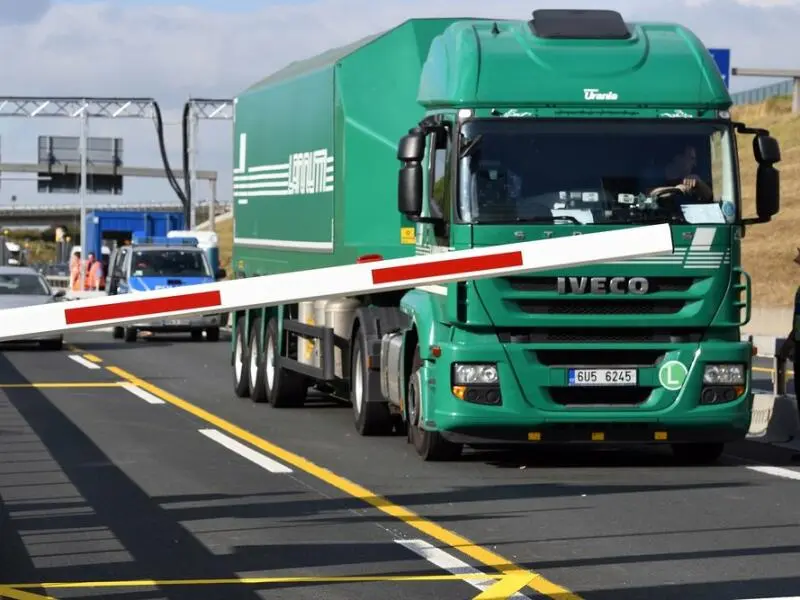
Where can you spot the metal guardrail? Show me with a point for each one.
(759, 94)
(62, 282)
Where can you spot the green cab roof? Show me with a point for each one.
(491, 64)
(488, 63)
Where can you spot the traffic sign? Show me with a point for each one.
(345, 280)
(722, 56)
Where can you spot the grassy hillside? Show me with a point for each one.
(769, 249)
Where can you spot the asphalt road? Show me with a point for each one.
(138, 464)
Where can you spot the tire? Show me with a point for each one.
(118, 333)
(370, 417)
(698, 454)
(197, 335)
(53, 345)
(130, 334)
(430, 445)
(284, 388)
(256, 367)
(212, 334)
(240, 361)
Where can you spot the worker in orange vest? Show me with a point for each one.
(75, 272)
(95, 278)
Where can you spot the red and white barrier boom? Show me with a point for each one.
(347, 280)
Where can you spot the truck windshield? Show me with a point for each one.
(607, 172)
(169, 263)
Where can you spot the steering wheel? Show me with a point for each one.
(668, 192)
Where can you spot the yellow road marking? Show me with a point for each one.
(93, 358)
(507, 586)
(437, 532)
(15, 594)
(72, 384)
(251, 581)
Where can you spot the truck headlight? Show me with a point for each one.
(724, 374)
(472, 374)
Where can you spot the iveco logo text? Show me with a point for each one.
(603, 285)
(596, 94)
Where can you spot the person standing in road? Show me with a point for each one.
(95, 277)
(75, 272)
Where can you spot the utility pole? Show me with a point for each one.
(203, 108)
(84, 168)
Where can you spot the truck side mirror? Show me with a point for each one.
(409, 189)
(410, 151)
(766, 150)
(411, 147)
(767, 191)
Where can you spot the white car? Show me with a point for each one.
(24, 286)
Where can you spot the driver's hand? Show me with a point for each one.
(694, 183)
(690, 182)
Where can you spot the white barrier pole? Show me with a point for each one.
(346, 280)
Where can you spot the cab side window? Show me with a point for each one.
(439, 178)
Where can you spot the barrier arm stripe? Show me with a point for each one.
(331, 282)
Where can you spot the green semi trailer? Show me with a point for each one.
(446, 134)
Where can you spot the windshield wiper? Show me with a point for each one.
(538, 219)
(652, 219)
(467, 148)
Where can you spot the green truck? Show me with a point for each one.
(447, 134)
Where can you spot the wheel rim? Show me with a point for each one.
(358, 382)
(253, 361)
(237, 358)
(269, 363)
(413, 405)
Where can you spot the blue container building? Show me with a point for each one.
(120, 226)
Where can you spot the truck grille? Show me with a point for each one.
(618, 335)
(598, 358)
(520, 283)
(622, 306)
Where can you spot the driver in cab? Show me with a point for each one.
(678, 174)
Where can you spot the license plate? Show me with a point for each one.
(580, 377)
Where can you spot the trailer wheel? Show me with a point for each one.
(118, 333)
(212, 334)
(698, 454)
(130, 333)
(284, 388)
(430, 445)
(256, 364)
(371, 416)
(240, 362)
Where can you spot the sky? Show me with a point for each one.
(174, 50)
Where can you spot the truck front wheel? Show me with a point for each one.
(430, 445)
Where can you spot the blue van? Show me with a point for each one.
(150, 263)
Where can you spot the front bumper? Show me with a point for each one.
(533, 407)
(179, 324)
(45, 338)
